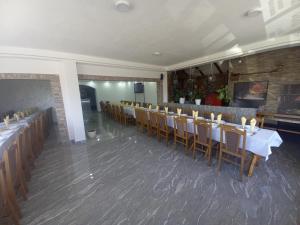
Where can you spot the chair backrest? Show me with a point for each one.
(138, 116)
(230, 139)
(10, 163)
(203, 132)
(162, 121)
(122, 110)
(144, 116)
(180, 126)
(153, 119)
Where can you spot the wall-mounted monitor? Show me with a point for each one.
(138, 88)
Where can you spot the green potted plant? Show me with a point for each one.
(197, 97)
(224, 95)
(178, 95)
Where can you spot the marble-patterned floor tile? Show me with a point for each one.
(126, 177)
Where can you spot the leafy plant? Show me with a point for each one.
(224, 95)
(197, 95)
(177, 94)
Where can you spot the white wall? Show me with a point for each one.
(88, 69)
(115, 91)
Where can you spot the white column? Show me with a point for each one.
(165, 88)
(71, 96)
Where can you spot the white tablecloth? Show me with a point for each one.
(260, 143)
(129, 110)
(8, 135)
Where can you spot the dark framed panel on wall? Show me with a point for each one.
(289, 99)
(250, 94)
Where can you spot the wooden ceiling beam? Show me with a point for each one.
(218, 68)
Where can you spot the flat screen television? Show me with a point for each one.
(138, 88)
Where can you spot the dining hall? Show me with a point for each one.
(149, 112)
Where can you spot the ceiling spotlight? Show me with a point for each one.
(122, 5)
(253, 12)
(156, 53)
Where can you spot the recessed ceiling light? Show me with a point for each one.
(253, 12)
(122, 5)
(156, 53)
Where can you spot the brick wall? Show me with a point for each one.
(288, 60)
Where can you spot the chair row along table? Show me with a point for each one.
(21, 142)
(259, 143)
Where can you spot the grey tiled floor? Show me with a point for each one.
(126, 177)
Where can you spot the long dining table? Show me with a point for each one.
(259, 142)
(10, 133)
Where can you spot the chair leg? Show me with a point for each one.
(242, 168)
(209, 155)
(13, 213)
(253, 163)
(194, 150)
(219, 162)
(186, 146)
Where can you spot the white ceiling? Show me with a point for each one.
(180, 29)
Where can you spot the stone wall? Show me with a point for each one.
(58, 105)
(285, 61)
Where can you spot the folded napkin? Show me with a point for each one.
(195, 114)
(16, 116)
(126, 104)
(137, 105)
(22, 114)
(243, 120)
(219, 118)
(212, 116)
(157, 108)
(166, 109)
(6, 121)
(150, 107)
(252, 124)
(178, 111)
(131, 104)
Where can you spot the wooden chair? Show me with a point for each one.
(153, 123)
(181, 134)
(203, 138)
(37, 144)
(138, 119)
(125, 118)
(14, 174)
(144, 119)
(163, 129)
(230, 138)
(8, 206)
(27, 156)
(119, 114)
(42, 135)
(115, 112)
